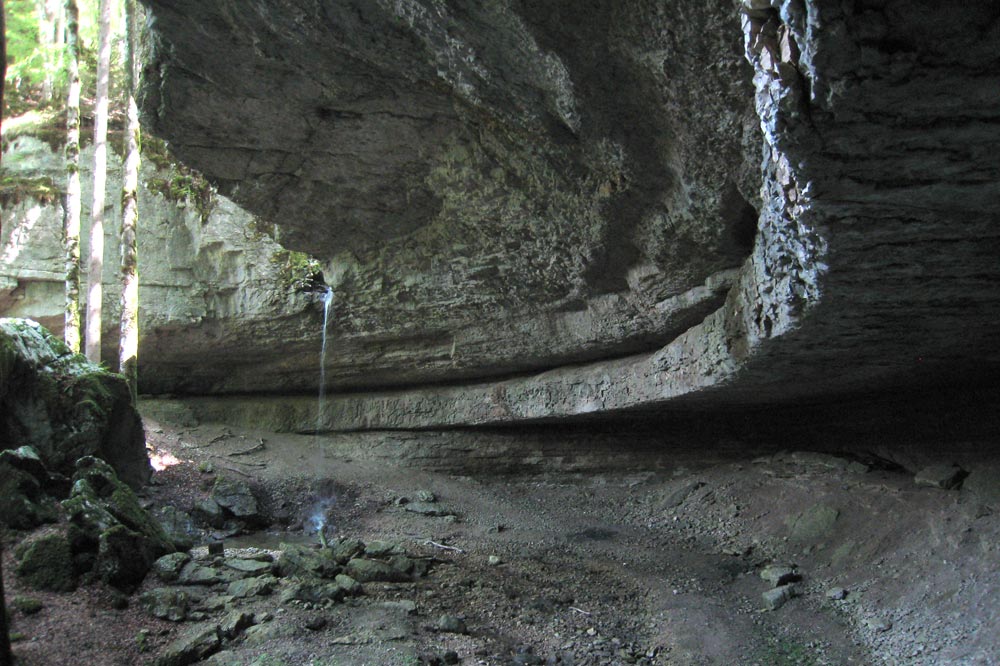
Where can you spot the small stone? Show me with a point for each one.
(247, 566)
(315, 622)
(209, 512)
(193, 646)
(426, 496)
(368, 571)
(406, 606)
(779, 574)
(836, 594)
(166, 603)
(426, 509)
(195, 574)
(944, 477)
(878, 625)
(493, 560)
(168, 567)
(349, 585)
(383, 549)
(776, 598)
(346, 549)
(452, 625)
(252, 587)
(27, 605)
(235, 623)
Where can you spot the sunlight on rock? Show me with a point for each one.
(161, 460)
(20, 234)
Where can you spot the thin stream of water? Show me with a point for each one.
(327, 302)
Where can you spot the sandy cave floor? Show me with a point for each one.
(649, 566)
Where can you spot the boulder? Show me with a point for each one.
(46, 563)
(369, 571)
(168, 567)
(195, 645)
(236, 498)
(65, 407)
(23, 504)
(298, 560)
(167, 603)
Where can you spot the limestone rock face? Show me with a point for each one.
(512, 187)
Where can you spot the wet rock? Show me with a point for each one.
(46, 563)
(168, 567)
(776, 598)
(235, 623)
(65, 407)
(299, 560)
(252, 587)
(944, 477)
(369, 571)
(235, 497)
(193, 646)
(167, 603)
(452, 625)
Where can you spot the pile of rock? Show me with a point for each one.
(214, 590)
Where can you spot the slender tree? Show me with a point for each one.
(71, 235)
(95, 287)
(128, 347)
(3, 67)
(6, 658)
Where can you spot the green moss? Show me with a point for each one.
(297, 271)
(47, 564)
(181, 183)
(26, 605)
(15, 189)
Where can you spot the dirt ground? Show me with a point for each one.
(650, 565)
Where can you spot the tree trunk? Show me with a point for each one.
(3, 68)
(95, 287)
(6, 658)
(128, 347)
(71, 235)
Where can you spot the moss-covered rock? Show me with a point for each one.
(23, 504)
(46, 563)
(64, 406)
(110, 532)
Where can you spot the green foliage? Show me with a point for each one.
(181, 183)
(297, 270)
(15, 189)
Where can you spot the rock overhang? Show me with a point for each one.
(469, 169)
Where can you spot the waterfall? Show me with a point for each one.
(327, 302)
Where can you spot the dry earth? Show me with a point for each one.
(659, 564)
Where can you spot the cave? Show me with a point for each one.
(524, 332)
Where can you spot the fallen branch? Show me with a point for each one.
(443, 546)
(253, 449)
(579, 610)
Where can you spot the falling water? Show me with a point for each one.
(327, 302)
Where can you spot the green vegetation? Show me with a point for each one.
(46, 563)
(15, 189)
(298, 270)
(181, 183)
(27, 605)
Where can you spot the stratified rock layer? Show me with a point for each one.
(511, 187)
